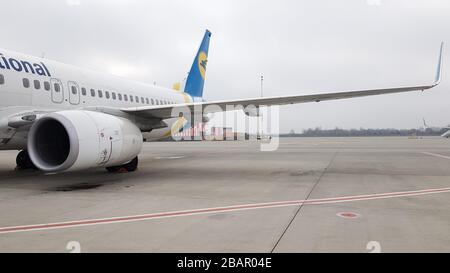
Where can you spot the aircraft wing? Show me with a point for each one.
(168, 111)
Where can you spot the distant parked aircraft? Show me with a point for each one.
(438, 129)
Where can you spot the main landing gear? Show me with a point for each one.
(24, 162)
(125, 168)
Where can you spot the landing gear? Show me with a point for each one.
(125, 168)
(24, 162)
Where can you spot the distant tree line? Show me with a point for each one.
(337, 132)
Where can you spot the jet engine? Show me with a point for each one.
(77, 139)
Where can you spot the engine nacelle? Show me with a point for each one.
(252, 111)
(77, 139)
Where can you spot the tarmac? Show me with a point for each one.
(380, 194)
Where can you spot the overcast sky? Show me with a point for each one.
(301, 47)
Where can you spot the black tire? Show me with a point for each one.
(125, 168)
(113, 169)
(24, 162)
(132, 165)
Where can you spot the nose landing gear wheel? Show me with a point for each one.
(125, 168)
(24, 162)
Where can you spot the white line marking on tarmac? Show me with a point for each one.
(169, 157)
(436, 155)
(172, 214)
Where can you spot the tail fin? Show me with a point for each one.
(196, 77)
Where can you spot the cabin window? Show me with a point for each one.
(92, 93)
(156, 101)
(57, 87)
(37, 84)
(107, 94)
(131, 98)
(74, 90)
(137, 99)
(83, 91)
(142, 100)
(153, 102)
(146, 101)
(119, 96)
(47, 86)
(26, 82)
(2, 79)
(100, 94)
(113, 95)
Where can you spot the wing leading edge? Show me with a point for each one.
(168, 111)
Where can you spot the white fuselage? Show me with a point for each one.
(33, 84)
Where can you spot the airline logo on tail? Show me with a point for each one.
(202, 62)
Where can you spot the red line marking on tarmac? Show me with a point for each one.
(171, 214)
(348, 215)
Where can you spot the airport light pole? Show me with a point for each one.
(262, 81)
(260, 118)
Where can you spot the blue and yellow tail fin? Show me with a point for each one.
(196, 77)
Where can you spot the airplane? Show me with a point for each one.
(65, 118)
(438, 129)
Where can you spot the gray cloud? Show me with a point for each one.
(300, 47)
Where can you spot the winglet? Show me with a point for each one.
(438, 78)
